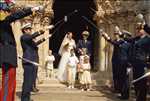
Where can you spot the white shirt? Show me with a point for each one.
(72, 61)
(50, 60)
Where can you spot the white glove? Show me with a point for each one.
(38, 8)
(106, 35)
(47, 37)
(128, 70)
(49, 27)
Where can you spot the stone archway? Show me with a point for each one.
(75, 22)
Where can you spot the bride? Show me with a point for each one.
(67, 44)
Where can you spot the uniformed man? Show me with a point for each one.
(140, 49)
(30, 52)
(8, 53)
(120, 63)
(124, 66)
(115, 58)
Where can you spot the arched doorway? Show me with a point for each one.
(75, 22)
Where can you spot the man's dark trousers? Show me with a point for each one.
(28, 81)
(140, 86)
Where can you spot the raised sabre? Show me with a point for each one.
(142, 77)
(29, 61)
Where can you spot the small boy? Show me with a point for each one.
(71, 67)
(49, 64)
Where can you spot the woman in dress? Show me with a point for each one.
(67, 44)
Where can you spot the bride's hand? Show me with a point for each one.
(65, 43)
(66, 46)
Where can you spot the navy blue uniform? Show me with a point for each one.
(116, 63)
(138, 55)
(30, 52)
(119, 66)
(124, 64)
(8, 53)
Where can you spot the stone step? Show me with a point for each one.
(41, 74)
(50, 82)
(45, 83)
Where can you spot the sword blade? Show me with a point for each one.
(29, 61)
(142, 77)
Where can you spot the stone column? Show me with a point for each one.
(102, 76)
(102, 55)
(16, 26)
(38, 21)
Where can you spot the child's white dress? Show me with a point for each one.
(86, 76)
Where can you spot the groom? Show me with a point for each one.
(84, 43)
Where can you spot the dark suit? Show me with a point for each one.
(124, 64)
(139, 50)
(82, 44)
(119, 66)
(30, 52)
(116, 62)
(8, 53)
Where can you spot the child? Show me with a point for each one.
(86, 76)
(81, 60)
(71, 67)
(49, 64)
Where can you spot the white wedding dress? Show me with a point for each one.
(65, 54)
